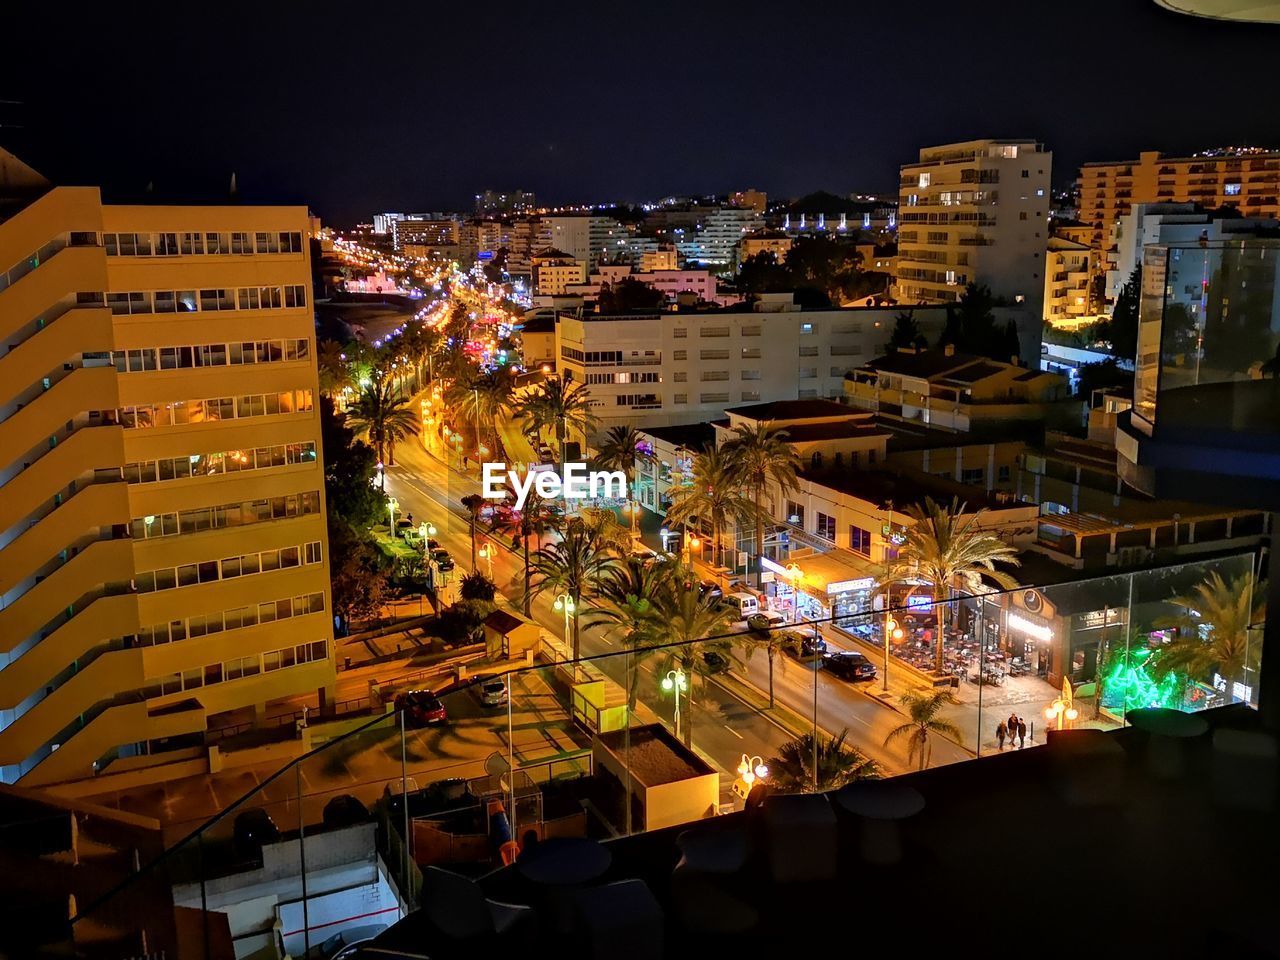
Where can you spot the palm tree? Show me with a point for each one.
(1213, 632)
(630, 593)
(714, 495)
(334, 369)
(558, 405)
(385, 419)
(948, 549)
(534, 520)
(473, 503)
(791, 771)
(573, 566)
(772, 643)
(923, 709)
(690, 626)
(620, 450)
(482, 400)
(759, 454)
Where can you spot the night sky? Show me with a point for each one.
(421, 106)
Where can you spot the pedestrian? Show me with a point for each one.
(1012, 727)
(1022, 733)
(1000, 733)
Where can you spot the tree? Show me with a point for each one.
(473, 503)
(385, 419)
(772, 642)
(691, 627)
(1213, 631)
(760, 454)
(1121, 330)
(482, 400)
(350, 469)
(535, 520)
(558, 405)
(948, 549)
(476, 586)
(629, 294)
(360, 580)
(823, 263)
(971, 326)
(762, 273)
(630, 593)
(620, 450)
(906, 333)
(714, 495)
(1100, 376)
(573, 566)
(924, 724)
(334, 369)
(791, 771)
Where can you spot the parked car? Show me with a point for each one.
(742, 605)
(716, 662)
(849, 665)
(765, 620)
(251, 829)
(493, 693)
(442, 559)
(805, 646)
(709, 588)
(343, 811)
(421, 708)
(346, 943)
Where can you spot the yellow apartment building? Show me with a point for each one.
(163, 557)
(1246, 179)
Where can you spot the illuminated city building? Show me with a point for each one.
(163, 556)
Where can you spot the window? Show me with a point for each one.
(680, 333)
(795, 514)
(1231, 189)
(925, 178)
(713, 332)
(978, 475)
(679, 354)
(825, 526)
(860, 540)
(749, 375)
(1002, 473)
(750, 353)
(749, 395)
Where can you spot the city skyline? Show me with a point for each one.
(811, 114)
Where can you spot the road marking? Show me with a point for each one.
(734, 732)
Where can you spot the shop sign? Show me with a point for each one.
(1032, 629)
(1093, 619)
(842, 586)
(766, 576)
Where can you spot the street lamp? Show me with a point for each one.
(675, 682)
(796, 576)
(564, 602)
(486, 553)
(891, 629)
(392, 505)
(1062, 708)
(752, 769)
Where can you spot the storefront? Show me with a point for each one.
(821, 586)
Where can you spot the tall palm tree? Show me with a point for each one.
(482, 399)
(573, 566)
(760, 454)
(536, 519)
(923, 709)
(334, 369)
(715, 496)
(558, 405)
(385, 419)
(947, 548)
(1213, 631)
(473, 503)
(630, 595)
(791, 771)
(772, 643)
(691, 625)
(620, 450)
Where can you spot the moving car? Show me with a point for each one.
(442, 558)
(849, 665)
(493, 693)
(765, 620)
(421, 708)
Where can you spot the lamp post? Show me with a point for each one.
(796, 576)
(392, 505)
(891, 629)
(486, 553)
(1062, 708)
(675, 682)
(564, 602)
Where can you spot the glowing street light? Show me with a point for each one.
(486, 553)
(1062, 708)
(675, 682)
(564, 602)
(752, 769)
(392, 506)
(891, 631)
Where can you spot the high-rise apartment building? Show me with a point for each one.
(974, 212)
(582, 236)
(714, 242)
(1245, 179)
(163, 557)
(496, 202)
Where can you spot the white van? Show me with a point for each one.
(742, 604)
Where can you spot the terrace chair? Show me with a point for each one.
(459, 909)
(618, 921)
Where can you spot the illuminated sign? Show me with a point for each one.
(774, 566)
(840, 586)
(919, 601)
(1030, 627)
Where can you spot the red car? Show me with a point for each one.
(422, 708)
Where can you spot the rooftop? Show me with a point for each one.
(882, 487)
(654, 756)
(694, 436)
(793, 410)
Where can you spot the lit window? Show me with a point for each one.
(1231, 189)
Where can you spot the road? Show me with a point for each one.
(724, 725)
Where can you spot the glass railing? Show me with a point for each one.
(629, 740)
(1208, 344)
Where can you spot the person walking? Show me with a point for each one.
(1001, 730)
(1022, 733)
(1012, 726)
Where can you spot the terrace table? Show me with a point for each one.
(565, 861)
(1166, 730)
(879, 806)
